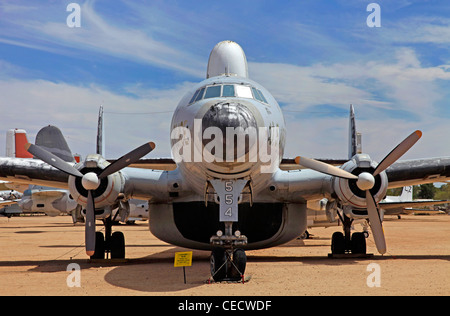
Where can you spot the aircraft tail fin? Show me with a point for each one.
(227, 58)
(51, 139)
(100, 133)
(354, 138)
(15, 144)
(407, 194)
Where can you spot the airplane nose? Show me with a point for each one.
(235, 120)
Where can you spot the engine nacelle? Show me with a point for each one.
(109, 189)
(348, 192)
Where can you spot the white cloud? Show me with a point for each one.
(34, 104)
(376, 88)
(422, 29)
(96, 35)
(405, 84)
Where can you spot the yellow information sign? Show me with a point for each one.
(183, 259)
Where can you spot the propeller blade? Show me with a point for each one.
(52, 160)
(398, 151)
(375, 223)
(127, 159)
(89, 232)
(325, 168)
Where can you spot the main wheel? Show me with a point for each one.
(337, 243)
(358, 243)
(99, 246)
(117, 245)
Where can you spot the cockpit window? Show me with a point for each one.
(200, 94)
(243, 92)
(262, 96)
(194, 96)
(258, 95)
(226, 91)
(213, 92)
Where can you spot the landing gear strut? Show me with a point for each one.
(228, 259)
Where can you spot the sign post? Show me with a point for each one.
(183, 259)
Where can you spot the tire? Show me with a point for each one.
(238, 267)
(338, 243)
(358, 243)
(99, 246)
(117, 245)
(218, 268)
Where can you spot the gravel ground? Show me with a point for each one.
(37, 251)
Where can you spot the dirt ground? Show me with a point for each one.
(36, 252)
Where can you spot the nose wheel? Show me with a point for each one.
(228, 264)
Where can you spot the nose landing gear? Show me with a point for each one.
(227, 264)
(228, 259)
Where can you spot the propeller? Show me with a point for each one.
(90, 181)
(366, 181)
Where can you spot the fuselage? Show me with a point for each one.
(227, 129)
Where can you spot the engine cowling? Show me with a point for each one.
(348, 191)
(107, 193)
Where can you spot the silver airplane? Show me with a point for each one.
(39, 199)
(228, 192)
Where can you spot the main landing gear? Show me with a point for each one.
(109, 243)
(346, 243)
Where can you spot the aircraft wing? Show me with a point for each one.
(138, 183)
(418, 171)
(8, 202)
(32, 171)
(49, 193)
(169, 164)
(402, 205)
(3, 186)
(154, 164)
(289, 163)
(306, 184)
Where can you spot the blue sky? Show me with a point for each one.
(138, 58)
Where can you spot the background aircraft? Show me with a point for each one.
(404, 204)
(51, 201)
(39, 199)
(229, 201)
